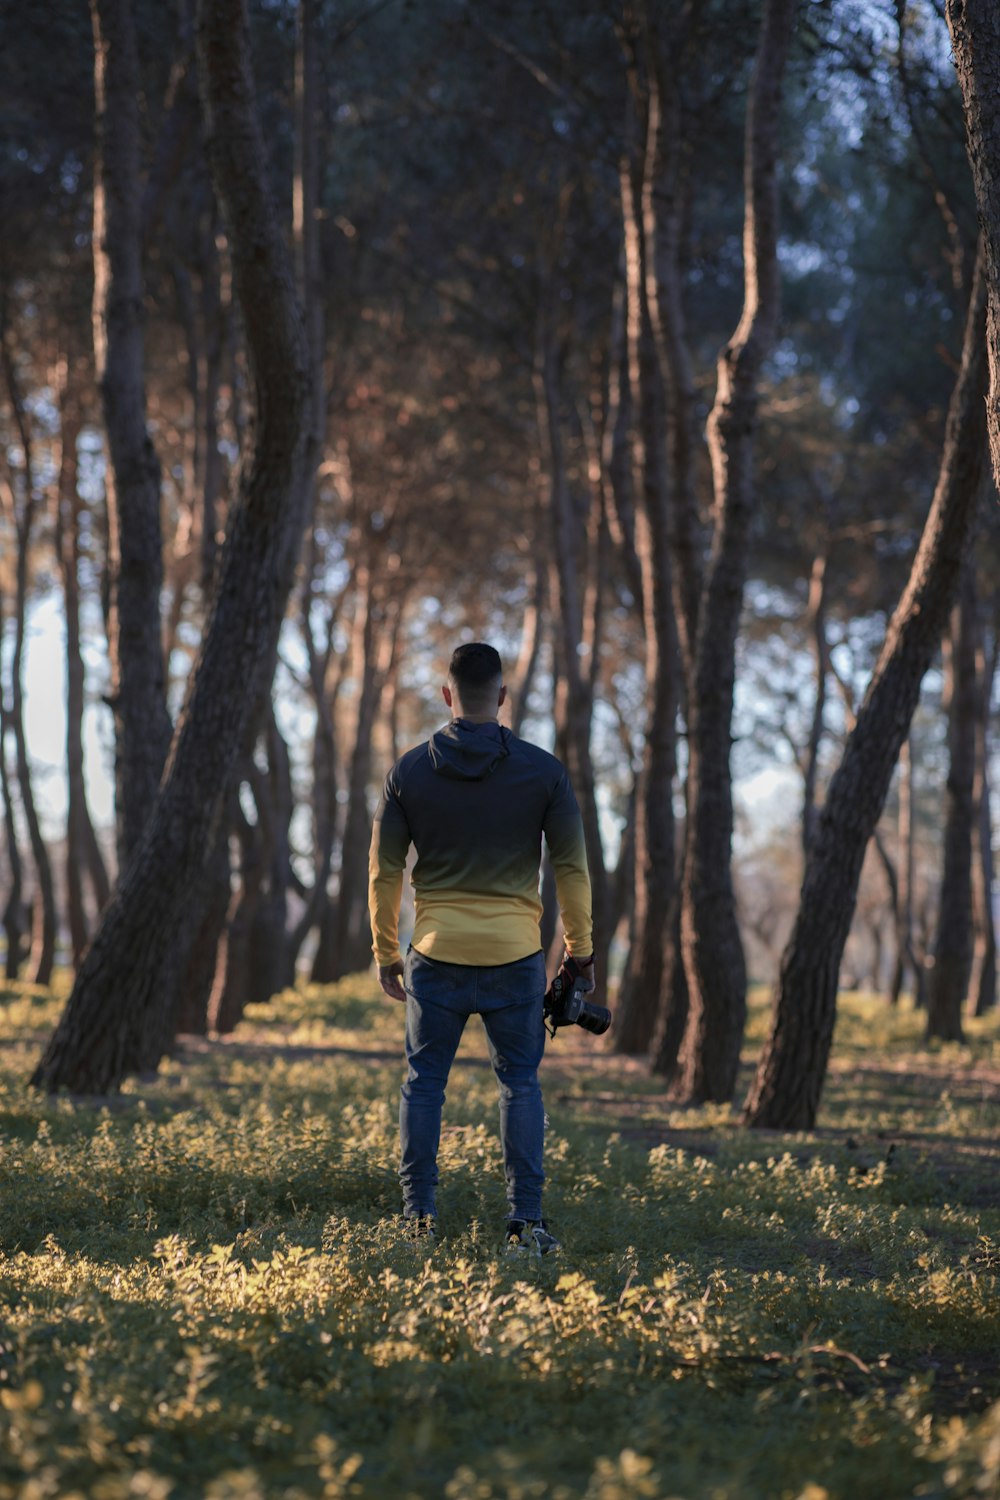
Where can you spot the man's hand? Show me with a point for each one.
(389, 977)
(578, 969)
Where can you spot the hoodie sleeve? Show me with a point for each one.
(563, 829)
(386, 859)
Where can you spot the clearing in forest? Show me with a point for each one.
(206, 1291)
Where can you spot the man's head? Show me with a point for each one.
(474, 689)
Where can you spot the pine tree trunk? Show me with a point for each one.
(574, 698)
(43, 946)
(982, 994)
(954, 940)
(14, 914)
(975, 39)
(83, 854)
(904, 906)
(138, 690)
(786, 1090)
(710, 936)
(655, 853)
(117, 1007)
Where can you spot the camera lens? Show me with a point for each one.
(594, 1018)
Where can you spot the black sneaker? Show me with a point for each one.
(530, 1236)
(420, 1228)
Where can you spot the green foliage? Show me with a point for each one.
(208, 1293)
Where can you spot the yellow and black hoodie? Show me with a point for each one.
(475, 802)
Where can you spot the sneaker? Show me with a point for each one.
(420, 1228)
(530, 1235)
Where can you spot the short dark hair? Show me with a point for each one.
(474, 669)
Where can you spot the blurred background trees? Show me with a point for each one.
(518, 237)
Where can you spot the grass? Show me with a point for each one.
(205, 1290)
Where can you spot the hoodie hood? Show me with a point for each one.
(463, 751)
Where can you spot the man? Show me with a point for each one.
(475, 801)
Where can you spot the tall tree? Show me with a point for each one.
(786, 1089)
(654, 846)
(975, 38)
(712, 948)
(138, 691)
(953, 943)
(116, 1009)
(23, 516)
(84, 859)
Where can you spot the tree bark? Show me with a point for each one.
(379, 641)
(14, 914)
(789, 1080)
(982, 994)
(975, 39)
(712, 949)
(574, 698)
(953, 943)
(43, 946)
(655, 854)
(116, 1008)
(83, 852)
(138, 690)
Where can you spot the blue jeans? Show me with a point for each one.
(440, 999)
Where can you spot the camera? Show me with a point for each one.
(565, 1005)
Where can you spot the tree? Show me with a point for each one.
(116, 1009)
(953, 943)
(712, 948)
(975, 37)
(786, 1089)
(138, 689)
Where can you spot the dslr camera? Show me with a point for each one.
(565, 1004)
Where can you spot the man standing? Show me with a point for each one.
(475, 802)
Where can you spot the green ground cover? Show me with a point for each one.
(205, 1292)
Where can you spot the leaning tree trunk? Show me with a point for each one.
(138, 690)
(710, 936)
(786, 1090)
(116, 1005)
(953, 943)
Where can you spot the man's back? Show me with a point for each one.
(475, 801)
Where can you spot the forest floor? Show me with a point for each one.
(205, 1290)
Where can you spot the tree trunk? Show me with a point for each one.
(905, 956)
(43, 947)
(786, 1090)
(816, 616)
(655, 855)
(975, 39)
(116, 1007)
(983, 979)
(83, 853)
(712, 949)
(574, 699)
(138, 689)
(954, 940)
(379, 642)
(268, 934)
(14, 914)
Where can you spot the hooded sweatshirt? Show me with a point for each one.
(476, 801)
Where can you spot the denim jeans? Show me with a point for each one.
(440, 999)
